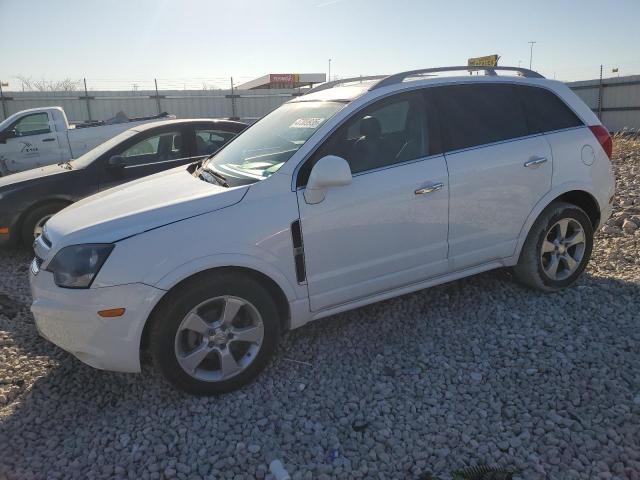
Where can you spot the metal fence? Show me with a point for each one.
(616, 101)
(246, 105)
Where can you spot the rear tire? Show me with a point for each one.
(215, 333)
(36, 219)
(557, 249)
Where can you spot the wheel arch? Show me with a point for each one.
(274, 289)
(579, 195)
(585, 201)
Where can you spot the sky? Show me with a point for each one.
(195, 43)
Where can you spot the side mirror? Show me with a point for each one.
(7, 134)
(116, 164)
(329, 171)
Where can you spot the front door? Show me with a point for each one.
(145, 154)
(33, 144)
(388, 228)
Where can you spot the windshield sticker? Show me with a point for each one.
(311, 122)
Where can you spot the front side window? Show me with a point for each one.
(209, 141)
(477, 114)
(265, 146)
(156, 148)
(390, 131)
(34, 124)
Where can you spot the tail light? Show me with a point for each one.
(603, 137)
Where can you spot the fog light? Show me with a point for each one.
(112, 312)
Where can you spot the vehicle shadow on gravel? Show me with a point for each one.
(479, 368)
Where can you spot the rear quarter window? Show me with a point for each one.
(478, 114)
(545, 112)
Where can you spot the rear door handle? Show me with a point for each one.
(430, 189)
(48, 139)
(535, 162)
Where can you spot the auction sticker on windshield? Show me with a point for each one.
(312, 122)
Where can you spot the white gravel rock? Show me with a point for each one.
(479, 370)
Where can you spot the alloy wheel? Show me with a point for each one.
(562, 249)
(219, 338)
(37, 229)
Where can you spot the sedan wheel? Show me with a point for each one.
(39, 225)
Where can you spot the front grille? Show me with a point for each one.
(41, 248)
(35, 265)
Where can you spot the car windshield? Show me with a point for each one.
(264, 147)
(84, 160)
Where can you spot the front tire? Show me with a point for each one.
(34, 221)
(215, 333)
(557, 248)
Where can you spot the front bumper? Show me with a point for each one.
(69, 319)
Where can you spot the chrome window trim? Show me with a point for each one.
(408, 88)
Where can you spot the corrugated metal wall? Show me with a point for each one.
(620, 103)
(249, 105)
(620, 106)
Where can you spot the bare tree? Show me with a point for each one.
(31, 85)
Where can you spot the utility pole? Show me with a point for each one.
(233, 102)
(155, 81)
(600, 96)
(531, 55)
(329, 74)
(86, 97)
(4, 107)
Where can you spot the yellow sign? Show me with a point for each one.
(488, 61)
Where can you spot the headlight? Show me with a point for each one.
(76, 266)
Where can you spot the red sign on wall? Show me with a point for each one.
(283, 78)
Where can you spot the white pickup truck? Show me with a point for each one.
(43, 136)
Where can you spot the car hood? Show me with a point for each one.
(34, 173)
(138, 206)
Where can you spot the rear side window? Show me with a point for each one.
(209, 141)
(479, 114)
(545, 112)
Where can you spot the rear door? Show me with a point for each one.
(498, 171)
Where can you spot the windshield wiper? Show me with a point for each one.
(222, 180)
(211, 176)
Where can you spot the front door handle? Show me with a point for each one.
(48, 139)
(430, 189)
(535, 162)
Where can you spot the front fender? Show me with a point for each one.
(251, 262)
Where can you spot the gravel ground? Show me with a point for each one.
(476, 371)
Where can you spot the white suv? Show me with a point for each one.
(358, 191)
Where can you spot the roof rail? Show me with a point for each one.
(327, 85)
(399, 77)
